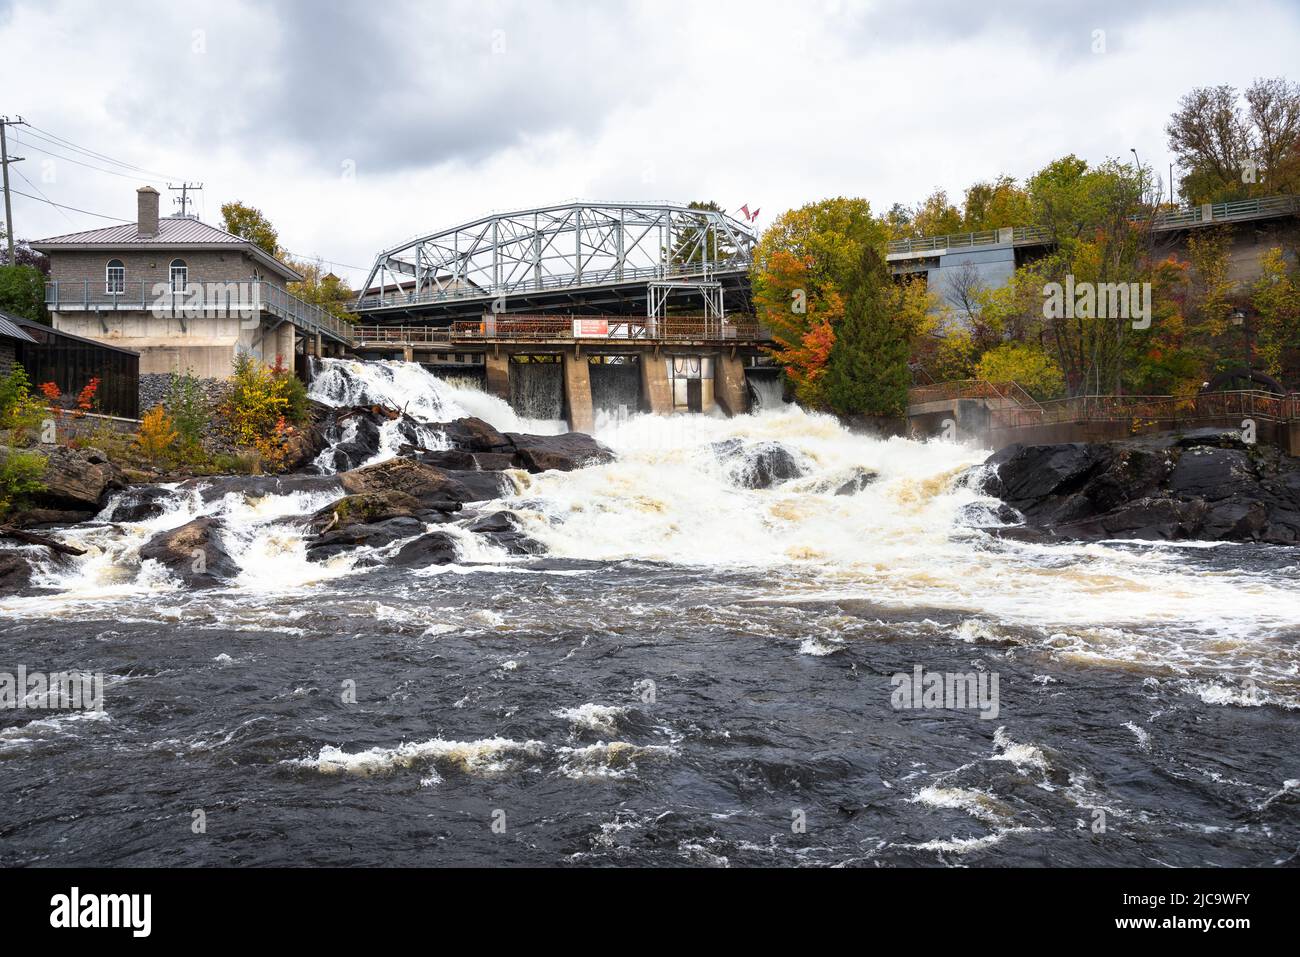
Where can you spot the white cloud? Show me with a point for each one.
(450, 110)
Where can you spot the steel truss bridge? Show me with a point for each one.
(576, 258)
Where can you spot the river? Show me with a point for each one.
(695, 673)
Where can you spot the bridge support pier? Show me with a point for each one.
(577, 393)
(497, 366)
(656, 391)
(732, 391)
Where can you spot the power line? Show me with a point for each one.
(69, 159)
(73, 208)
(68, 144)
(42, 192)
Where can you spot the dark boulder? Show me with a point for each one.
(15, 572)
(474, 435)
(422, 482)
(366, 508)
(216, 487)
(758, 465)
(1205, 485)
(434, 548)
(860, 480)
(502, 529)
(483, 486)
(563, 453)
(375, 535)
(140, 503)
(194, 553)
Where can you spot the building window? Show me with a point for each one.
(115, 278)
(180, 275)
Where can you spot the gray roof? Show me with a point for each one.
(174, 232)
(10, 330)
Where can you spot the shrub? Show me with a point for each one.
(20, 476)
(157, 437)
(20, 411)
(261, 407)
(190, 414)
(1025, 364)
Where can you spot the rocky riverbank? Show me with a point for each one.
(1205, 485)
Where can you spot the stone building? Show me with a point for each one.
(185, 295)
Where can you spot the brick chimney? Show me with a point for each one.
(147, 210)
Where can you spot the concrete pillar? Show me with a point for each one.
(656, 391)
(498, 375)
(408, 354)
(577, 393)
(730, 388)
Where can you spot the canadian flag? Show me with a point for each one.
(745, 209)
(748, 215)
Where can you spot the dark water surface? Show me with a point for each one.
(470, 691)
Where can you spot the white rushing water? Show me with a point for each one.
(900, 542)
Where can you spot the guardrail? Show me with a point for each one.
(519, 328)
(197, 298)
(1261, 208)
(1009, 392)
(1237, 405)
(546, 283)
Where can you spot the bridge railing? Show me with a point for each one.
(519, 328)
(594, 277)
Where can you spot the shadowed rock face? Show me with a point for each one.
(1204, 485)
(15, 572)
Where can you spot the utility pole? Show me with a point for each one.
(5, 160)
(184, 189)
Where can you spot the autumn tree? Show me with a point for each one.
(691, 242)
(249, 223)
(801, 266)
(1233, 146)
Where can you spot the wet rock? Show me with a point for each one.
(76, 479)
(564, 453)
(461, 461)
(15, 572)
(502, 529)
(140, 504)
(216, 487)
(483, 486)
(50, 518)
(758, 465)
(309, 440)
(435, 548)
(861, 479)
(194, 553)
(1202, 485)
(474, 435)
(426, 483)
(367, 508)
(373, 535)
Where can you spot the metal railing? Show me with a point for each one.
(197, 298)
(1008, 392)
(519, 328)
(1261, 208)
(595, 277)
(1234, 406)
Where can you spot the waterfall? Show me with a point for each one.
(537, 389)
(616, 387)
(766, 388)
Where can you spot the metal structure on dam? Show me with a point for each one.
(580, 258)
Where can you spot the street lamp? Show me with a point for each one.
(1239, 319)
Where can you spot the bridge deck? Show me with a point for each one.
(592, 331)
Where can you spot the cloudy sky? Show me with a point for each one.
(355, 125)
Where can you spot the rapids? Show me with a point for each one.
(690, 662)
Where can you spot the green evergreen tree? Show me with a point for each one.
(867, 371)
